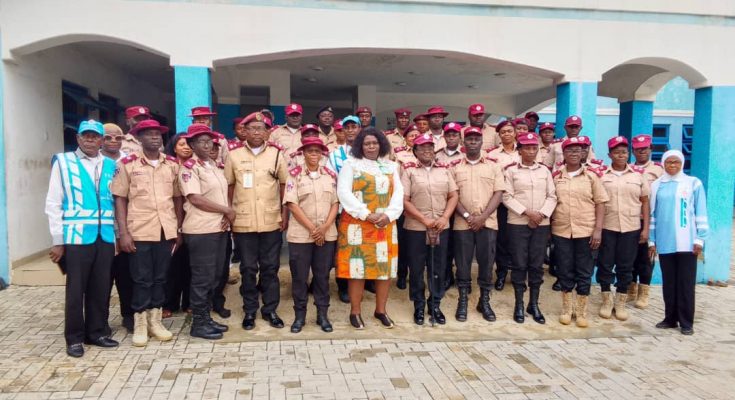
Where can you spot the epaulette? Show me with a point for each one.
(596, 161)
(455, 162)
(276, 145)
(235, 144)
(440, 164)
(388, 132)
(597, 171)
(400, 148)
(493, 159)
(491, 149)
(555, 174)
(558, 140)
(172, 158)
(295, 153)
(463, 150)
(190, 163)
(295, 171)
(658, 164)
(559, 163)
(410, 164)
(129, 159)
(274, 128)
(637, 169)
(325, 153)
(329, 172)
(510, 165)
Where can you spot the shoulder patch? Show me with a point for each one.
(637, 169)
(558, 140)
(555, 174)
(596, 171)
(276, 145)
(329, 172)
(295, 171)
(491, 149)
(510, 165)
(129, 159)
(172, 158)
(235, 144)
(410, 164)
(455, 162)
(493, 159)
(190, 163)
(441, 164)
(400, 148)
(656, 163)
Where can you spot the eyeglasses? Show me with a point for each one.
(113, 138)
(253, 129)
(573, 151)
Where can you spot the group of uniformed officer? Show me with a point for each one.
(119, 209)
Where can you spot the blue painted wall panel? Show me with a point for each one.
(225, 114)
(4, 256)
(192, 88)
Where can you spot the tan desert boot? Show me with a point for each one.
(156, 328)
(642, 298)
(581, 311)
(140, 330)
(607, 305)
(620, 312)
(566, 308)
(632, 291)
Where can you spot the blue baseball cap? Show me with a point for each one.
(350, 118)
(91, 126)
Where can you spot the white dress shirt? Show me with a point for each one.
(354, 206)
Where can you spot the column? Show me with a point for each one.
(227, 110)
(192, 88)
(4, 257)
(578, 98)
(280, 96)
(636, 117)
(367, 96)
(713, 150)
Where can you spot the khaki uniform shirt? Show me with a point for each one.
(315, 196)
(257, 180)
(543, 154)
(404, 155)
(490, 138)
(208, 180)
(440, 143)
(150, 191)
(283, 136)
(297, 158)
(130, 144)
(555, 158)
(574, 216)
(652, 170)
(327, 139)
(445, 158)
(623, 211)
(528, 187)
(477, 183)
(428, 191)
(395, 137)
(504, 158)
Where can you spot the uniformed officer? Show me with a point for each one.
(481, 184)
(395, 136)
(532, 119)
(366, 116)
(430, 196)
(576, 228)
(573, 127)
(521, 125)
(296, 157)
(288, 136)
(205, 227)
(83, 246)
(546, 140)
(505, 155)
(404, 154)
(642, 268)
(436, 115)
(311, 196)
(453, 150)
(622, 229)
(422, 122)
(149, 211)
(476, 116)
(530, 197)
(133, 115)
(256, 172)
(325, 120)
(202, 115)
(339, 136)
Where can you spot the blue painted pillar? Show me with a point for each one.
(193, 88)
(577, 98)
(713, 150)
(636, 117)
(279, 113)
(4, 256)
(225, 114)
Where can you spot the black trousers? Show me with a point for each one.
(218, 298)
(402, 256)
(305, 257)
(450, 254)
(480, 244)
(419, 263)
(615, 262)
(679, 273)
(642, 267)
(206, 254)
(123, 282)
(503, 258)
(527, 248)
(259, 254)
(148, 269)
(178, 280)
(87, 305)
(574, 263)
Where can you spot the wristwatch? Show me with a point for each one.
(466, 215)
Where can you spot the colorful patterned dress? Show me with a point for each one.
(365, 251)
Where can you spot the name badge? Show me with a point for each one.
(247, 180)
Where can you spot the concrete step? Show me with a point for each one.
(39, 271)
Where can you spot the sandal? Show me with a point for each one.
(356, 321)
(385, 320)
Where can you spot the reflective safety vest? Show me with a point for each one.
(87, 211)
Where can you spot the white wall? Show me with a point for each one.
(34, 131)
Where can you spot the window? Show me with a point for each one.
(687, 134)
(660, 140)
(109, 110)
(74, 110)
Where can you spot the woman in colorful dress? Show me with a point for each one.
(371, 195)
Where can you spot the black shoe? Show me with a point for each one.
(384, 319)
(483, 306)
(687, 331)
(274, 320)
(500, 283)
(200, 328)
(370, 286)
(518, 315)
(75, 350)
(323, 321)
(217, 326)
(223, 312)
(102, 341)
(401, 282)
(297, 325)
(666, 325)
(418, 315)
(449, 282)
(556, 286)
(437, 316)
(248, 322)
(128, 323)
(356, 321)
(533, 308)
(461, 314)
(344, 296)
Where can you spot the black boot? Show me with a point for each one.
(216, 325)
(556, 286)
(323, 321)
(401, 282)
(200, 328)
(461, 314)
(500, 280)
(533, 309)
(483, 306)
(518, 314)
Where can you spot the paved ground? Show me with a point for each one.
(502, 360)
